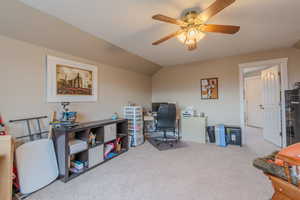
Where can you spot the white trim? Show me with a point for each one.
(51, 81)
(264, 63)
(283, 63)
(252, 77)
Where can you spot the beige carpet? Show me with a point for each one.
(198, 172)
(256, 142)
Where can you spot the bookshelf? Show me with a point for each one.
(89, 153)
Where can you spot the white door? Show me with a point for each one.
(253, 94)
(271, 105)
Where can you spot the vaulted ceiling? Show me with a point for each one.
(24, 23)
(265, 24)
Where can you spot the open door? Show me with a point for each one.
(271, 105)
(253, 97)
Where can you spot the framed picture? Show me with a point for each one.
(209, 88)
(70, 81)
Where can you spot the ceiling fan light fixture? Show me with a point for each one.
(193, 24)
(190, 37)
(192, 32)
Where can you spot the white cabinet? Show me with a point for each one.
(110, 132)
(194, 129)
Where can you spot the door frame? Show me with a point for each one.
(245, 107)
(283, 63)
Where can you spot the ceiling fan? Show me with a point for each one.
(193, 24)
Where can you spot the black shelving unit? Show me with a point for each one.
(292, 107)
(106, 131)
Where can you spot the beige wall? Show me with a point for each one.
(22, 85)
(182, 83)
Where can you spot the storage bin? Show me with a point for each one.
(220, 135)
(95, 155)
(211, 134)
(234, 135)
(110, 132)
(77, 146)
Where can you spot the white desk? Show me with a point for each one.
(194, 129)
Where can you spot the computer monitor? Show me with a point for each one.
(155, 106)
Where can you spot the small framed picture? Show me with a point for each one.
(209, 88)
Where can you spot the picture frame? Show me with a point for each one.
(70, 81)
(209, 88)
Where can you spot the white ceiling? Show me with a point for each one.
(265, 24)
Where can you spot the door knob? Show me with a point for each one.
(261, 107)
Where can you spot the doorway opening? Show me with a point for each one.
(262, 104)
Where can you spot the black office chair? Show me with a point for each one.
(166, 122)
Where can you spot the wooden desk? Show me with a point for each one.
(285, 190)
(291, 157)
(290, 154)
(6, 165)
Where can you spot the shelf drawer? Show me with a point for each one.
(95, 155)
(110, 132)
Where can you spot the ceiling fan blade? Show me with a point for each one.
(169, 20)
(214, 8)
(228, 29)
(168, 37)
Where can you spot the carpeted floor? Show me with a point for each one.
(256, 142)
(198, 172)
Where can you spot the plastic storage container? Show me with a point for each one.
(220, 135)
(134, 115)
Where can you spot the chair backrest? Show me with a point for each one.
(166, 116)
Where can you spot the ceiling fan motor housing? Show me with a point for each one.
(191, 17)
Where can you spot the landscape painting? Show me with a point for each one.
(209, 88)
(73, 81)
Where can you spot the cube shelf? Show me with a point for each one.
(104, 131)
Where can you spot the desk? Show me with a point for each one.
(6, 165)
(194, 129)
(291, 157)
(290, 154)
(286, 190)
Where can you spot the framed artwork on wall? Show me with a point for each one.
(209, 88)
(70, 81)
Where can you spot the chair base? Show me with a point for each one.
(167, 139)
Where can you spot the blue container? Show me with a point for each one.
(220, 135)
